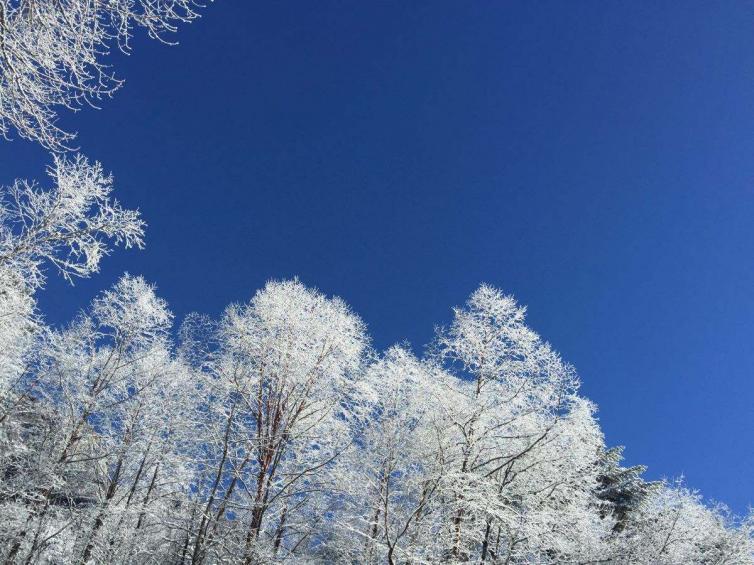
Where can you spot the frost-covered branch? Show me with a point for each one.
(71, 225)
(53, 54)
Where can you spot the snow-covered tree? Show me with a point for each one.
(83, 407)
(674, 526)
(69, 226)
(520, 401)
(279, 385)
(276, 434)
(391, 505)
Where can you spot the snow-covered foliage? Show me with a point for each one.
(68, 225)
(53, 54)
(276, 433)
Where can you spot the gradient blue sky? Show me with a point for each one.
(593, 158)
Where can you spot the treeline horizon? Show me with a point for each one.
(277, 433)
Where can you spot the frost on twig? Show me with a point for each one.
(70, 225)
(53, 54)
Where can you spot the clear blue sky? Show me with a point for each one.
(596, 159)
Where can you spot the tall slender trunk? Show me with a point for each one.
(488, 528)
(184, 551)
(112, 487)
(203, 525)
(257, 513)
(145, 502)
(280, 529)
(486, 542)
(372, 534)
(458, 518)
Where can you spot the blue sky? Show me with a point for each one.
(593, 158)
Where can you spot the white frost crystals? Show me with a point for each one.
(68, 225)
(53, 52)
(276, 433)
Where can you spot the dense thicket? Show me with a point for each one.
(277, 433)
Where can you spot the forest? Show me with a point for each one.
(277, 432)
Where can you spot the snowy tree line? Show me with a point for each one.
(277, 432)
